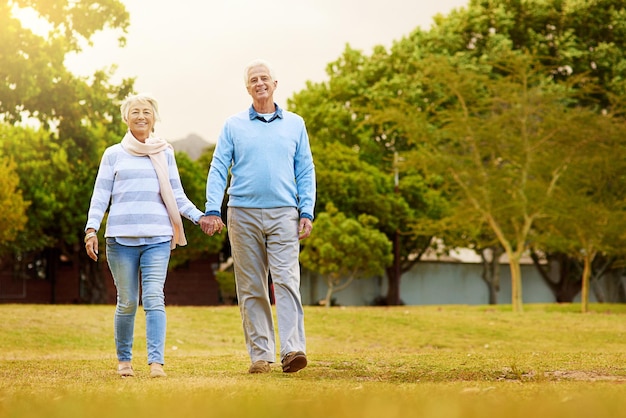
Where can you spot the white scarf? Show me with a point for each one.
(154, 148)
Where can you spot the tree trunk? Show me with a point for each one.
(516, 283)
(329, 294)
(613, 290)
(491, 271)
(584, 296)
(605, 268)
(393, 288)
(565, 284)
(393, 275)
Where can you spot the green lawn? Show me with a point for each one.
(417, 361)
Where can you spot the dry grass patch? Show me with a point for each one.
(428, 361)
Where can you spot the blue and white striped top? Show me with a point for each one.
(137, 213)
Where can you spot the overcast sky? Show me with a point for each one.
(190, 54)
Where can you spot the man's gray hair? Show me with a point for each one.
(256, 63)
(144, 98)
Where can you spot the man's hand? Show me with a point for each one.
(305, 228)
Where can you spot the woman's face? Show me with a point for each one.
(141, 120)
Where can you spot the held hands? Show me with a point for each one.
(211, 224)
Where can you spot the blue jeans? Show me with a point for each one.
(129, 265)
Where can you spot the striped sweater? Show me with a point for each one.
(131, 187)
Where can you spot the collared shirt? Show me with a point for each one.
(256, 115)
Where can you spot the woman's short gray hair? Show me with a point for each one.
(256, 63)
(143, 98)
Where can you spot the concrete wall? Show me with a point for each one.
(434, 283)
(428, 283)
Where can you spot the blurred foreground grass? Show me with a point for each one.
(418, 361)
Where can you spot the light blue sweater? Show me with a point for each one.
(137, 213)
(270, 162)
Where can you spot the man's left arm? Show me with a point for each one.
(305, 185)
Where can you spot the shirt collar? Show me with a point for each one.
(255, 115)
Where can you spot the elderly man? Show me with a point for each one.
(271, 201)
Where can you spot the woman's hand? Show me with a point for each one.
(91, 244)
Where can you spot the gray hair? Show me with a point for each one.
(143, 98)
(256, 63)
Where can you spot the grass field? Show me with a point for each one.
(418, 361)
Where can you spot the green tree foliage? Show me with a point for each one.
(486, 87)
(506, 148)
(356, 187)
(11, 201)
(358, 175)
(570, 38)
(577, 42)
(193, 178)
(342, 249)
(588, 216)
(34, 80)
(46, 182)
(344, 111)
(75, 119)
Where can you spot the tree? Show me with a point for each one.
(506, 142)
(393, 102)
(44, 174)
(569, 38)
(12, 203)
(35, 81)
(356, 187)
(77, 118)
(342, 111)
(342, 249)
(193, 177)
(588, 217)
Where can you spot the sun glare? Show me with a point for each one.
(31, 20)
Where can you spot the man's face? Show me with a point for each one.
(260, 83)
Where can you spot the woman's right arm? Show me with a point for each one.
(100, 198)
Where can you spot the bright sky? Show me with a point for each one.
(190, 54)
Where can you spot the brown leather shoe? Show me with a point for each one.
(294, 361)
(260, 366)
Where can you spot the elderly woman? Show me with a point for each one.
(139, 178)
